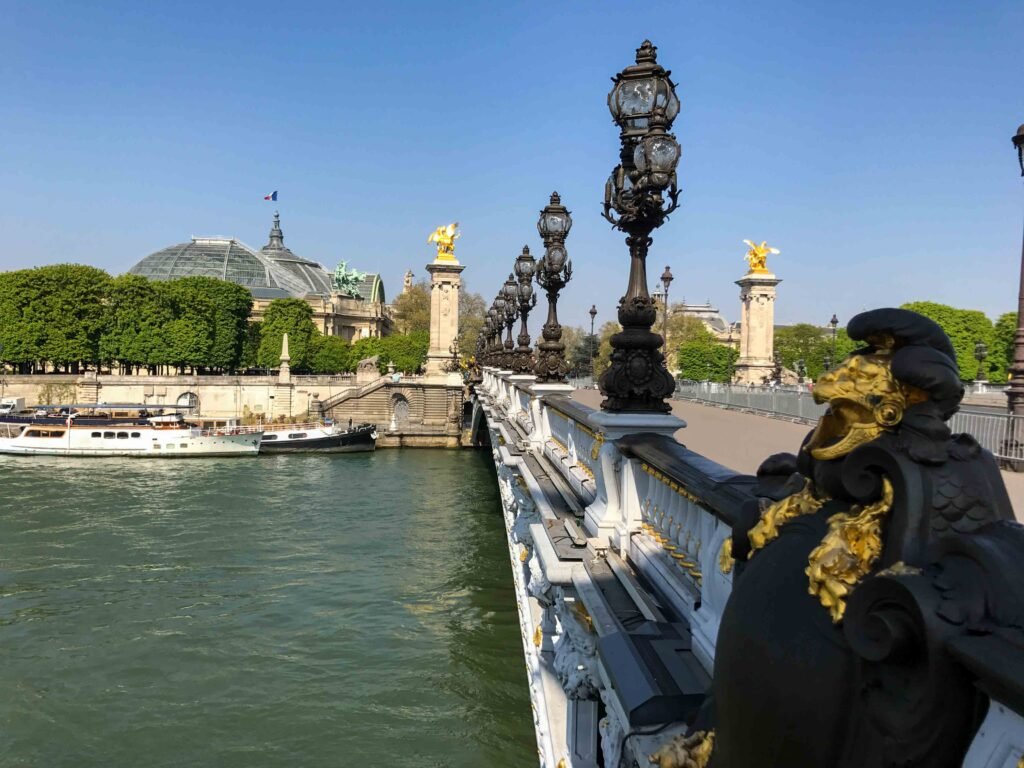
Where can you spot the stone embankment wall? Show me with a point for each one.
(409, 411)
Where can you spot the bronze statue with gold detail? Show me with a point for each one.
(876, 601)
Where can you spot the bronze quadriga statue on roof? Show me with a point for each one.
(878, 596)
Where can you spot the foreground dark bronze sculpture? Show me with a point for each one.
(877, 599)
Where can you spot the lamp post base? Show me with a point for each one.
(637, 380)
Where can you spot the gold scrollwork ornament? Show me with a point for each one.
(848, 552)
(693, 751)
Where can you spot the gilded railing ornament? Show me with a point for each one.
(691, 751)
(874, 579)
(848, 552)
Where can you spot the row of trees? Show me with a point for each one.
(71, 317)
(309, 350)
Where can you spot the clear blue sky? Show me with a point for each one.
(870, 141)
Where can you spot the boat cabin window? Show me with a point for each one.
(45, 433)
(108, 435)
(136, 434)
(97, 434)
(296, 435)
(183, 445)
(269, 437)
(122, 435)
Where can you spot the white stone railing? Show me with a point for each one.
(565, 479)
(596, 502)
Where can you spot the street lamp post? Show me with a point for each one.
(639, 196)
(593, 350)
(1015, 392)
(553, 272)
(828, 362)
(980, 353)
(666, 281)
(511, 294)
(525, 268)
(833, 324)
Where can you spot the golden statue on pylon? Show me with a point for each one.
(445, 238)
(757, 256)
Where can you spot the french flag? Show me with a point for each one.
(271, 196)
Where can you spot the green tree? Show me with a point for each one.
(68, 305)
(137, 314)
(604, 350)
(231, 304)
(806, 342)
(294, 317)
(579, 358)
(1000, 353)
(471, 321)
(363, 349)
(706, 360)
(965, 327)
(332, 355)
(412, 309)
(251, 345)
(21, 333)
(408, 352)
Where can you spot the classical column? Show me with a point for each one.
(757, 330)
(445, 284)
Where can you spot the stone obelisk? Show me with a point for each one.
(445, 285)
(757, 319)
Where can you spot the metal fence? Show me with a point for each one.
(1002, 434)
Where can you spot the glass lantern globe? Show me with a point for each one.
(525, 265)
(525, 291)
(554, 220)
(509, 289)
(555, 258)
(639, 90)
(656, 154)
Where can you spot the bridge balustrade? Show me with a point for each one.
(614, 544)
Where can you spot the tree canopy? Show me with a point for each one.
(966, 327)
(294, 317)
(412, 309)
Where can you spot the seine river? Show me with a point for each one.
(273, 611)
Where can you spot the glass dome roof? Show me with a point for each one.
(272, 272)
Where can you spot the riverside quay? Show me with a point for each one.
(854, 598)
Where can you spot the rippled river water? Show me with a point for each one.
(274, 611)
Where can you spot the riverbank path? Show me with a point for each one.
(741, 441)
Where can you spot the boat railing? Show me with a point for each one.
(251, 429)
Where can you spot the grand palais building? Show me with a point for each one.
(343, 303)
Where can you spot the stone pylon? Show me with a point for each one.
(445, 285)
(757, 327)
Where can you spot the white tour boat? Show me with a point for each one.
(100, 429)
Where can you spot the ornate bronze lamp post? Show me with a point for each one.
(642, 192)
(833, 324)
(1015, 392)
(525, 268)
(499, 321)
(495, 341)
(593, 351)
(980, 353)
(511, 295)
(553, 271)
(666, 281)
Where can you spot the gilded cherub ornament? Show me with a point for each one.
(445, 238)
(757, 256)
